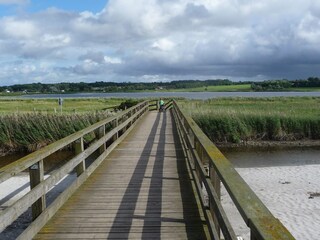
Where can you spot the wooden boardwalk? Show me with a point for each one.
(143, 190)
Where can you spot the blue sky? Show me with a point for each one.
(69, 5)
(32, 6)
(158, 40)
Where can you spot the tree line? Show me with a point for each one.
(270, 85)
(112, 86)
(280, 85)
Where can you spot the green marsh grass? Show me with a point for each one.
(28, 124)
(70, 105)
(243, 119)
(30, 131)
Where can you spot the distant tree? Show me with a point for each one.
(271, 85)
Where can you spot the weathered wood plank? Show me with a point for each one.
(36, 173)
(142, 190)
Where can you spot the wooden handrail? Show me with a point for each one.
(122, 122)
(27, 161)
(200, 152)
(207, 164)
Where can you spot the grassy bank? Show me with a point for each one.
(76, 105)
(30, 131)
(246, 119)
(28, 124)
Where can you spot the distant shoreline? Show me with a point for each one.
(180, 90)
(187, 95)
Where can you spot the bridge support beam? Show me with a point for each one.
(36, 173)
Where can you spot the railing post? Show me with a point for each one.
(129, 116)
(115, 125)
(123, 119)
(79, 148)
(101, 133)
(215, 180)
(36, 173)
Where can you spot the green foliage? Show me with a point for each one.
(310, 82)
(242, 119)
(274, 85)
(115, 87)
(33, 130)
(70, 105)
(284, 85)
(179, 85)
(28, 124)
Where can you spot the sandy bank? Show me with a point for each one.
(289, 192)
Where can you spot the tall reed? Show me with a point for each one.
(242, 119)
(30, 131)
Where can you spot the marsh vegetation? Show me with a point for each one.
(243, 119)
(27, 125)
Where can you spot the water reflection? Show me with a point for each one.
(190, 95)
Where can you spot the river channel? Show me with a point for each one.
(240, 157)
(190, 95)
(275, 156)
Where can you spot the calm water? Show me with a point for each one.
(241, 158)
(262, 157)
(190, 95)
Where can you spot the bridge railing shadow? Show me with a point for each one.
(131, 195)
(154, 152)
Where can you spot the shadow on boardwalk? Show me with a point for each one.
(152, 220)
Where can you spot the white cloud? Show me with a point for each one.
(54, 41)
(163, 44)
(19, 28)
(112, 60)
(138, 39)
(309, 29)
(25, 69)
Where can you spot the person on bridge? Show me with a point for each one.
(161, 105)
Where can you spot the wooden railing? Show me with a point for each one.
(209, 168)
(108, 132)
(207, 164)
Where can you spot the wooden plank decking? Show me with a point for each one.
(143, 190)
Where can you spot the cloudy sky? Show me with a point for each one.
(157, 40)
